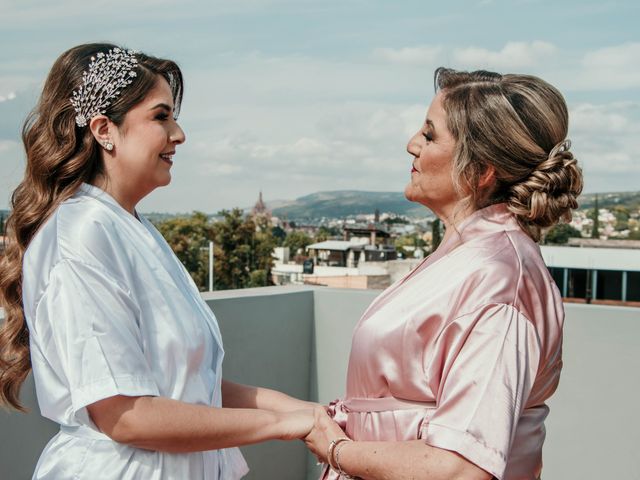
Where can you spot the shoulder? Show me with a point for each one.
(507, 268)
(81, 230)
(86, 230)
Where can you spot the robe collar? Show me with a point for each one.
(485, 221)
(98, 193)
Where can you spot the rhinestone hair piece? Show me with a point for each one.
(102, 82)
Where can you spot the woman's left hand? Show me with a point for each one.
(323, 432)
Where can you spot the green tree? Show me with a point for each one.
(395, 220)
(188, 238)
(297, 241)
(595, 231)
(634, 235)
(278, 234)
(243, 246)
(263, 244)
(436, 235)
(325, 233)
(410, 240)
(561, 233)
(622, 215)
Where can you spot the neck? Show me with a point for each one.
(451, 216)
(119, 193)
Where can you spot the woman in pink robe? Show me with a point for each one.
(451, 366)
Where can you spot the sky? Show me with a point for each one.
(293, 97)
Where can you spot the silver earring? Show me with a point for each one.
(108, 145)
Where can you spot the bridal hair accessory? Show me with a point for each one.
(107, 75)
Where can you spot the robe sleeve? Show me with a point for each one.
(485, 385)
(89, 324)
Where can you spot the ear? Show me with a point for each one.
(101, 128)
(488, 178)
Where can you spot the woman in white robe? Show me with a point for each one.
(126, 355)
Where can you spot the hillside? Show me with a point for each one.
(344, 203)
(630, 200)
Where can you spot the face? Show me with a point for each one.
(146, 142)
(432, 148)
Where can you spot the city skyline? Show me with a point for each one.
(295, 97)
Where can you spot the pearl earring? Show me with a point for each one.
(108, 145)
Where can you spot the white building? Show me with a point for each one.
(611, 274)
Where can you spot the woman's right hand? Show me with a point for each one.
(325, 430)
(296, 424)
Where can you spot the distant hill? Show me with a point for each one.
(344, 203)
(631, 200)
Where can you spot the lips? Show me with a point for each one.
(413, 169)
(167, 157)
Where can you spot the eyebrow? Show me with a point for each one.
(164, 106)
(430, 123)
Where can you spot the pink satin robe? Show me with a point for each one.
(463, 352)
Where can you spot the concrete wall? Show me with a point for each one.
(298, 339)
(23, 437)
(267, 333)
(593, 429)
(359, 282)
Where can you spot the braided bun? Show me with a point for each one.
(515, 128)
(549, 193)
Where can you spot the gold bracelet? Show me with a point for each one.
(336, 452)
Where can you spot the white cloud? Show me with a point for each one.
(598, 119)
(420, 55)
(606, 139)
(8, 145)
(615, 67)
(512, 55)
(9, 96)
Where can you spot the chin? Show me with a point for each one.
(410, 195)
(163, 182)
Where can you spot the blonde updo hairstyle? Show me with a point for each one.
(516, 124)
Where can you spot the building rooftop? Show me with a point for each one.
(591, 258)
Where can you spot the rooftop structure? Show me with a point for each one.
(595, 274)
(598, 243)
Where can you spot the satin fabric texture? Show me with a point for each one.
(112, 311)
(462, 352)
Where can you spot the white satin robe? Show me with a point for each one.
(463, 352)
(112, 311)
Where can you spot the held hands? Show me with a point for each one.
(295, 425)
(324, 431)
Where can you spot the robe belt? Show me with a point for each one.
(383, 404)
(340, 409)
(82, 431)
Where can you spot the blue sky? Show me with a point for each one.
(299, 96)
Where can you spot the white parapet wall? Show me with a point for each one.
(297, 340)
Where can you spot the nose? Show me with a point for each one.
(177, 135)
(413, 147)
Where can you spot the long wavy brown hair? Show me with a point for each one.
(60, 157)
